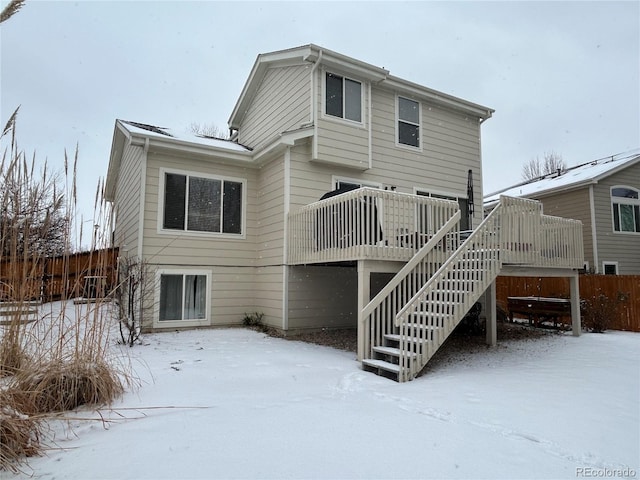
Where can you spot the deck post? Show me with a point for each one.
(574, 284)
(364, 294)
(492, 322)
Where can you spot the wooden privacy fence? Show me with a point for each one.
(623, 289)
(92, 273)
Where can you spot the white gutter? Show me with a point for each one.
(314, 111)
(285, 265)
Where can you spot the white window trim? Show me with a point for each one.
(625, 201)
(323, 106)
(166, 231)
(181, 323)
(615, 264)
(397, 120)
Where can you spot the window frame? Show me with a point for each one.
(417, 148)
(183, 322)
(606, 264)
(634, 203)
(447, 196)
(197, 233)
(343, 118)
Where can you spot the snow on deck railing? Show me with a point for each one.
(366, 223)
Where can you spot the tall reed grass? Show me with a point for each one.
(66, 357)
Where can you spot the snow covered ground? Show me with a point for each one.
(235, 403)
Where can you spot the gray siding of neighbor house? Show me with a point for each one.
(230, 260)
(574, 204)
(623, 248)
(281, 103)
(127, 200)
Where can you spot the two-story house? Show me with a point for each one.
(237, 226)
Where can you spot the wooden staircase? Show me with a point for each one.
(400, 348)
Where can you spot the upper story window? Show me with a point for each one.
(408, 122)
(202, 204)
(343, 97)
(625, 203)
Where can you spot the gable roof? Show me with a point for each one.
(573, 177)
(313, 54)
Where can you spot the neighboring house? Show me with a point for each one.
(605, 196)
(236, 226)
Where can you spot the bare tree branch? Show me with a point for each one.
(551, 162)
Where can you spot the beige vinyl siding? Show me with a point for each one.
(322, 297)
(450, 146)
(576, 205)
(268, 294)
(342, 142)
(127, 201)
(623, 248)
(281, 103)
(230, 260)
(193, 249)
(270, 215)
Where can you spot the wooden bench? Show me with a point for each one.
(28, 311)
(539, 309)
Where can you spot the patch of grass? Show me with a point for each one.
(66, 385)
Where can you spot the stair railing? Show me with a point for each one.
(449, 293)
(379, 314)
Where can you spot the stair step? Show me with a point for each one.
(391, 351)
(382, 365)
(396, 338)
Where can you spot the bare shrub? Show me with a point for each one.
(132, 294)
(597, 312)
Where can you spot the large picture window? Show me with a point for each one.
(408, 122)
(343, 97)
(625, 202)
(202, 204)
(183, 296)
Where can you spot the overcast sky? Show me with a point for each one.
(562, 76)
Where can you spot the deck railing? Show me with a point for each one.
(366, 223)
(527, 237)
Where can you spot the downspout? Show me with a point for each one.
(314, 110)
(285, 253)
(594, 237)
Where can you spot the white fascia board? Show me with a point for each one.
(171, 143)
(438, 98)
(280, 142)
